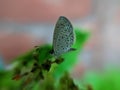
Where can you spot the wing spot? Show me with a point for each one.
(59, 39)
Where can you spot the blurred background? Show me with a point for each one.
(27, 23)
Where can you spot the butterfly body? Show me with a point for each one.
(63, 37)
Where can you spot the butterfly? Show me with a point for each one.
(63, 37)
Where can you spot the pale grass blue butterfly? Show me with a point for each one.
(63, 37)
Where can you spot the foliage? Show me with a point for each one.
(38, 70)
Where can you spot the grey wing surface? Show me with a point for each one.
(63, 36)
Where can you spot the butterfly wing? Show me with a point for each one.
(63, 37)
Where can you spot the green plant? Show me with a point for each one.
(38, 70)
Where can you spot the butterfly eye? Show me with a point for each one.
(51, 51)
